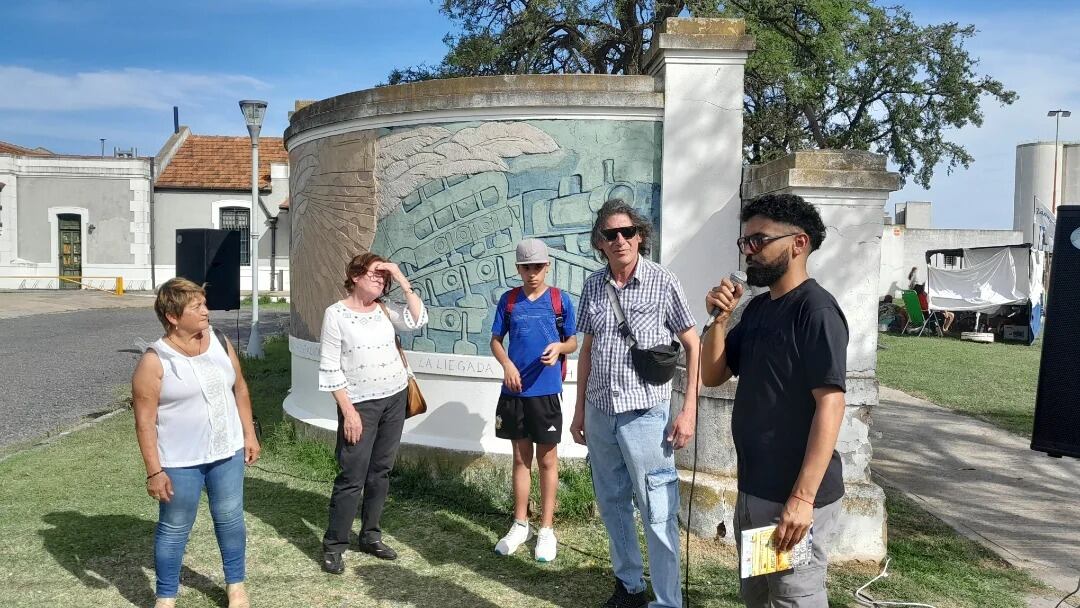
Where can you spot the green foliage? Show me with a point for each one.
(843, 74)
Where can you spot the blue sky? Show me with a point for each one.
(74, 71)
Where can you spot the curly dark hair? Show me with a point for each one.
(788, 209)
(618, 206)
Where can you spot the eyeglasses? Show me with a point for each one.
(627, 232)
(756, 242)
(375, 275)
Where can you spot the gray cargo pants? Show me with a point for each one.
(803, 587)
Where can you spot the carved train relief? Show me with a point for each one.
(448, 216)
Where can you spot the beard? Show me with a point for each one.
(764, 274)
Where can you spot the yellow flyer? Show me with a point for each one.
(759, 556)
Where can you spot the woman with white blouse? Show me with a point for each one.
(359, 363)
(195, 429)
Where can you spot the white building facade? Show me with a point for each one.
(205, 182)
(85, 219)
(72, 222)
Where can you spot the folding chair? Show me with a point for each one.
(917, 321)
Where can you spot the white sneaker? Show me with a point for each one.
(546, 545)
(518, 535)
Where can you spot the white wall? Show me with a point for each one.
(903, 248)
(702, 166)
(110, 193)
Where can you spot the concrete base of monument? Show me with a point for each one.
(860, 535)
(461, 392)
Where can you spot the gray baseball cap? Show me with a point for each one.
(532, 251)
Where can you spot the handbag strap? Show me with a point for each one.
(620, 317)
(397, 341)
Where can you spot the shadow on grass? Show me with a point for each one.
(441, 535)
(472, 549)
(291, 512)
(117, 550)
(393, 583)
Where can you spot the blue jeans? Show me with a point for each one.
(224, 482)
(633, 463)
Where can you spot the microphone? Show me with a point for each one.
(738, 278)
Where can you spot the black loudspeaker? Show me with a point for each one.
(204, 255)
(1057, 404)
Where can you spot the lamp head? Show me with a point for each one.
(254, 110)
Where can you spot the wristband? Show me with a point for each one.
(149, 477)
(804, 500)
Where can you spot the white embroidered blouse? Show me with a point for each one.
(358, 352)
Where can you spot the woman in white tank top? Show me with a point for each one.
(195, 429)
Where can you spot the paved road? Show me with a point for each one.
(25, 303)
(984, 482)
(58, 369)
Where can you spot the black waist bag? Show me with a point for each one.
(656, 365)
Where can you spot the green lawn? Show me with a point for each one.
(265, 304)
(76, 529)
(993, 382)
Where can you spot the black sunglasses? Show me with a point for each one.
(627, 232)
(756, 242)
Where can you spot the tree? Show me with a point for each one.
(826, 73)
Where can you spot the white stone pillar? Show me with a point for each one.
(850, 190)
(700, 63)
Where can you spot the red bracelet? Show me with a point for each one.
(149, 477)
(804, 500)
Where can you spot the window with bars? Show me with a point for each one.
(238, 218)
(950, 261)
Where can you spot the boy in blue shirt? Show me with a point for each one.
(540, 321)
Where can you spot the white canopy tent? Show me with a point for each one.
(987, 279)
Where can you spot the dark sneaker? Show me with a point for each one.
(379, 549)
(622, 598)
(332, 563)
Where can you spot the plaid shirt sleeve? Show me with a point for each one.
(679, 317)
(584, 323)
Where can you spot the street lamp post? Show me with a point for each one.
(254, 111)
(1058, 115)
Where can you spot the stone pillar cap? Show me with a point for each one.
(704, 34)
(844, 169)
(698, 35)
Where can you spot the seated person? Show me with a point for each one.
(950, 316)
(892, 314)
(924, 304)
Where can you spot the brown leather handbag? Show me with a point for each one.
(415, 402)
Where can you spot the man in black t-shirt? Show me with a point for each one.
(789, 351)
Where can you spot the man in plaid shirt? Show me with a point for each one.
(626, 420)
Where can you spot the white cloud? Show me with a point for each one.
(23, 88)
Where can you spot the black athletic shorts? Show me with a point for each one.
(536, 418)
